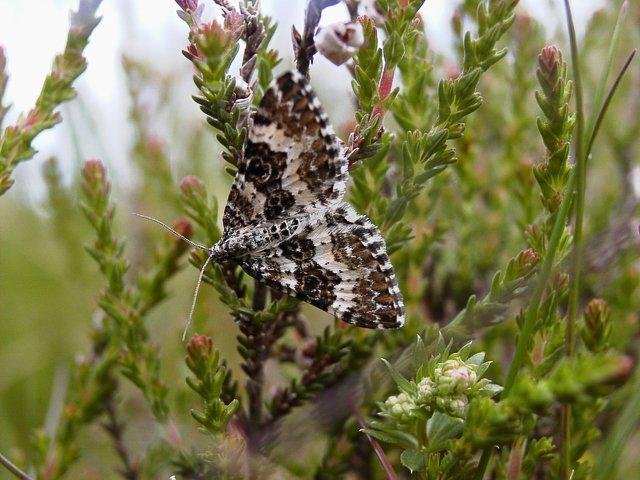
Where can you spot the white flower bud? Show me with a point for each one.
(397, 409)
(400, 406)
(339, 41)
(426, 389)
(464, 376)
(391, 401)
(455, 376)
(458, 405)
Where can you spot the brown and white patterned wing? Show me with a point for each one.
(293, 162)
(340, 266)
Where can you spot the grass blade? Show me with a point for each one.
(602, 82)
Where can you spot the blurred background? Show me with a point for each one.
(133, 103)
(33, 32)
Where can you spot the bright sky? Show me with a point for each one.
(32, 32)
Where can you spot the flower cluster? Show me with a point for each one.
(446, 384)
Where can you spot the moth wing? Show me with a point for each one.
(340, 266)
(293, 162)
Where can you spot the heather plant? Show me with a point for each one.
(504, 184)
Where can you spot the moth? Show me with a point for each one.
(286, 222)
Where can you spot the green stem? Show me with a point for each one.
(578, 241)
(528, 326)
(483, 463)
(605, 105)
(560, 221)
(583, 146)
(581, 169)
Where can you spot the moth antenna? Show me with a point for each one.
(167, 227)
(195, 297)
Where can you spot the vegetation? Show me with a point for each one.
(505, 185)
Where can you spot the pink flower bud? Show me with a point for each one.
(216, 33)
(200, 346)
(94, 170)
(33, 117)
(193, 186)
(526, 260)
(550, 59)
(183, 227)
(193, 52)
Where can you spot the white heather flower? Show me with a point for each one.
(426, 389)
(339, 41)
(400, 406)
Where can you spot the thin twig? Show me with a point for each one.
(254, 367)
(259, 296)
(483, 463)
(13, 469)
(115, 429)
(382, 458)
(304, 45)
(607, 100)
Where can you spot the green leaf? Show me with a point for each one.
(403, 384)
(419, 352)
(440, 428)
(394, 437)
(476, 359)
(412, 459)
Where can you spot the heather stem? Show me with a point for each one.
(255, 380)
(578, 240)
(528, 327)
(115, 429)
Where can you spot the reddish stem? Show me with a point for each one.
(382, 458)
